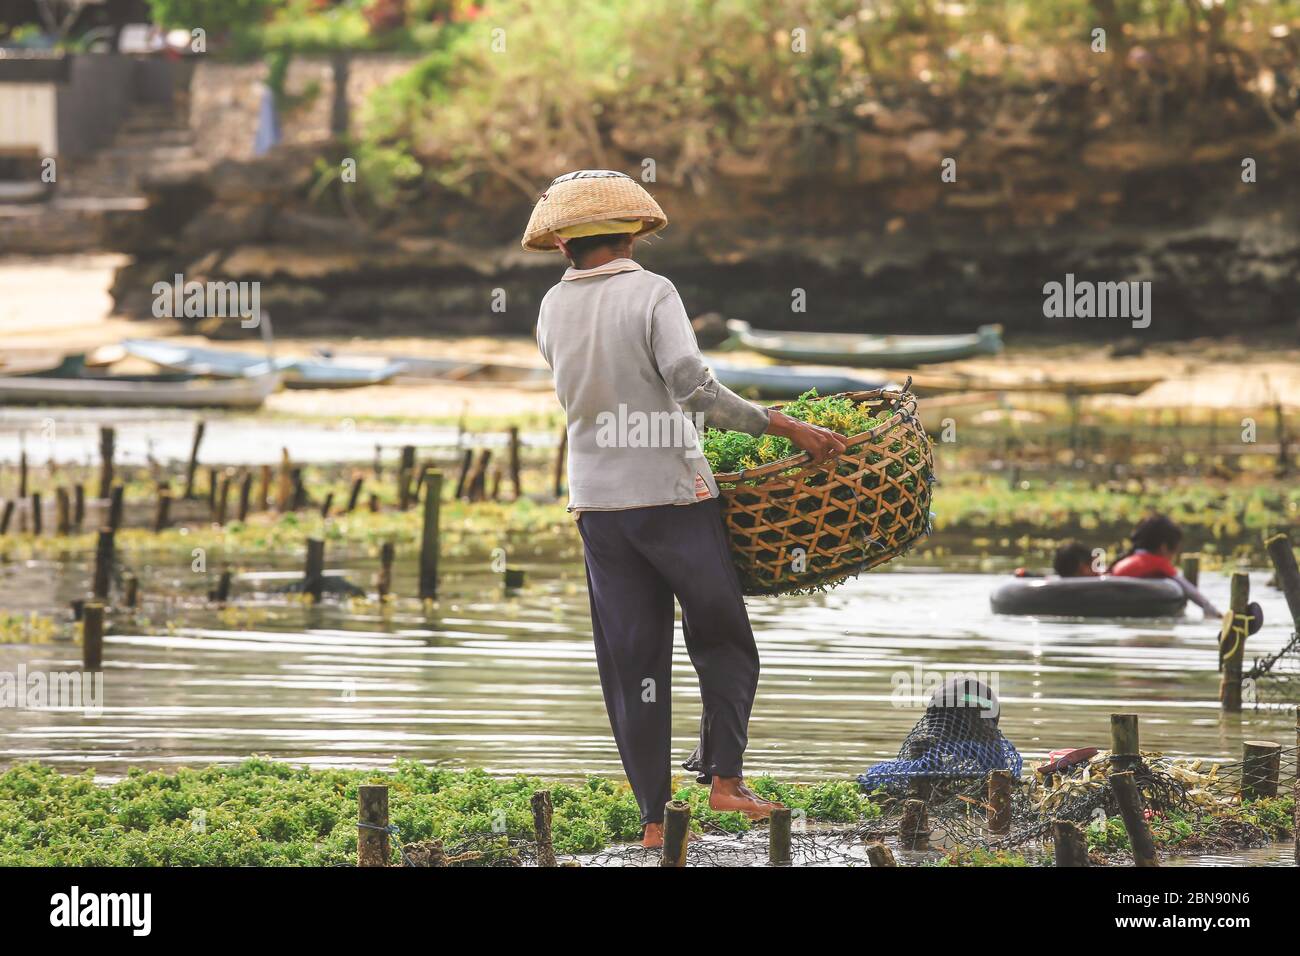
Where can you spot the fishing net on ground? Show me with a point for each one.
(1194, 805)
(957, 738)
(1274, 679)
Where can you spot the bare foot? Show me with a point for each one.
(730, 793)
(653, 837)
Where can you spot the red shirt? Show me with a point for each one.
(1144, 564)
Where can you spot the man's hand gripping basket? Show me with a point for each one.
(796, 527)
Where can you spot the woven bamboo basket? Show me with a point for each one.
(795, 527)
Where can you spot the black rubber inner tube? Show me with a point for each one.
(1090, 597)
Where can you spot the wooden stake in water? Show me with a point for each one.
(162, 514)
(284, 492)
(677, 829)
(221, 593)
(103, 563)
(515, 484)
(6, 516)
(78, 505)
(37, 517)
(372, 829)
(1131, 811)
(263, 499)
(313, 575)
(429, 538)
(541, 803)
(223, 500)
(245, 494)
(355, 494)
(1232, 644)
(213, 479)
(1069, 843)
(1191, 567)
(62, 511)
(558, 476)
(404, 477)
(116, 505)
(999, 799)
(1124, 750)
(131, 591)
(474, 484)
(92, 636)
(192, 466)
(299, 490)
(107, 440)
(1261, 765)
(385, 583)
(462, 478)
(778, 837)
(880, 855)
(1288, 574)
(913, 827)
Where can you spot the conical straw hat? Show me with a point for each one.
(590, 195)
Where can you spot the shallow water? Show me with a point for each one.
(71, 436)
(509, 683)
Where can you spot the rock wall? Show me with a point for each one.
(863, 225)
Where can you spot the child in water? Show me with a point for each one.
(1156, 543)
(1073, 560)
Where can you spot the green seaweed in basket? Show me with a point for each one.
(733, 451)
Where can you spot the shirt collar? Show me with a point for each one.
(605, 269)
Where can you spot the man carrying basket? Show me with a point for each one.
(635, 390)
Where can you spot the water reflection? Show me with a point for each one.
(509, 683)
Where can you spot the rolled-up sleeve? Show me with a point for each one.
(691, 384)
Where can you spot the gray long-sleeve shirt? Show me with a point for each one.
(635, 389)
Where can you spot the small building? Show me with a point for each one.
(57, 105)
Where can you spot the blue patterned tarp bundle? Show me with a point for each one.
(947, 743)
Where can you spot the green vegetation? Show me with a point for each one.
(465, 529)
(265, 813)
(1199, 831)
(249, 28)
(748, 86)
(732, 451)
(1209, 512)
(26, 628)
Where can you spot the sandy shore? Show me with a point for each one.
(61, 304)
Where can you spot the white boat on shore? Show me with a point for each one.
(245, 393)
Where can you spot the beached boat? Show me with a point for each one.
(1022, 380)
(786, 381)
(320, 372)
(138, 391)
(867, 351)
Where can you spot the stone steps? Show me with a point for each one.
(149, 141)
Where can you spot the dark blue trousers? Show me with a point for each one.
(638, 561)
